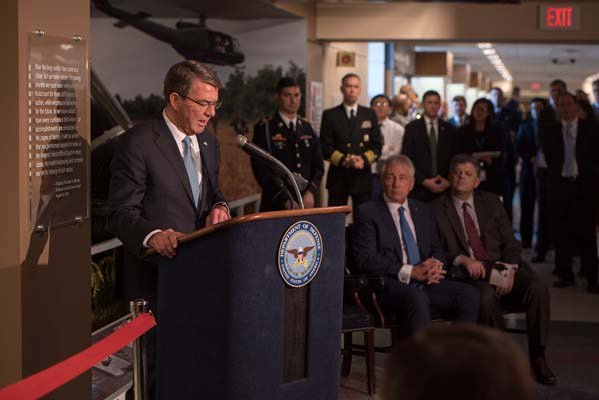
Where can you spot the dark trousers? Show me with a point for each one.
(573, 229)
(340, 199)
(543, 240)
(528, 196)
(530, 295)
(415, 306)
(509, 187)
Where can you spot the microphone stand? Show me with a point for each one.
(290, 179)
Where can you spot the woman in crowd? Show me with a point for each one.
(482, 135)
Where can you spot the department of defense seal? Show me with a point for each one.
(300, 254)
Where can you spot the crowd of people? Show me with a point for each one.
(432, 197)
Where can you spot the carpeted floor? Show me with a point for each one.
(573, 355)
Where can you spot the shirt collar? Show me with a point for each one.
(459, 203)
(393, 206)
(176, 132)
(428, 121)
(574, 124)
(349, 108)
(286, 120)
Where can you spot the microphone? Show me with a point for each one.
(296, 181)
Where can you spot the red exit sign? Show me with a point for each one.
(559, 17)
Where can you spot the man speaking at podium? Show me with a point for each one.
(164, 181)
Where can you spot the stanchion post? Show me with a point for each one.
(140, 360)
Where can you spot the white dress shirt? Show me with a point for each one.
(405, 272)
(286, 120)
(573, 131)
(349, 108)
(435, 123)
(459, 203)
(195, 155)
(392, 138)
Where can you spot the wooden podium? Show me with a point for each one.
(229, 327)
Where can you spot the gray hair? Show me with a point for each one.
(181, 76)
(401, 160)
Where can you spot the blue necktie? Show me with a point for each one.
(408, 239)
(192, 172)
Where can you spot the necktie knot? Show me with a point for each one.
(352, 114)
(291, 126)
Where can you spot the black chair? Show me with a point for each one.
(357, 319)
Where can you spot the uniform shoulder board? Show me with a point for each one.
(303, 119)
(264, 120)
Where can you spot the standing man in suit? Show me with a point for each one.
(290, 139)
(528, 147)
(474, 231)
(572, 152)
(397, 238)
(547, 117)
(351, 141)
(460, 117)
(430, 143)
(509, 119)
(164, 180)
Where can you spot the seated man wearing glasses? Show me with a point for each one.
(479, 241)
(164, 179)
(396, 237)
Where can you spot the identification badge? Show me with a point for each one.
(366, 125)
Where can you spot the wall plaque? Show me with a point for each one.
(58, 153)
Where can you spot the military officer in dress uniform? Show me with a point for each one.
(291, 139)
(351, 141)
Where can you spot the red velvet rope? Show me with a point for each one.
(45, 381)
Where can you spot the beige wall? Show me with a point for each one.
(447, 21)
(45, 310)
(333, 73)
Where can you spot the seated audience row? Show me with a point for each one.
(457, 256)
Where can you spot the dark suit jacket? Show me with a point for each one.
(416, 146)
(587, 156)
(528, 145)
(149, 187)
(495, 229)
(299, 151)
(338, 139)
(492, 139)
(376, 246)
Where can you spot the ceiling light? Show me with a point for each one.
(489, 52)
(485, 45)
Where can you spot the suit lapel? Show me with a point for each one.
(204, 154)
(418, 221)
(454, 221)
(166, 144)
(482, 217)
(389, 226)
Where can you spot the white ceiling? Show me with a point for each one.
(529, 63)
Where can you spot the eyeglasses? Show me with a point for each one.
(381, 104)
(204, 103)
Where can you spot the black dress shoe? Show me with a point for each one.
(542, 373)
(562, 284)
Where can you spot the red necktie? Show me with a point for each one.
(473, 237)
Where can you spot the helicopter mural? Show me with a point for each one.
(191, 40)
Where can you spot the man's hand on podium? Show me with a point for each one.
(218, 214)
(165, 242)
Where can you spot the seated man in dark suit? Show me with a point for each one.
(398, 239)
(474, 229)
